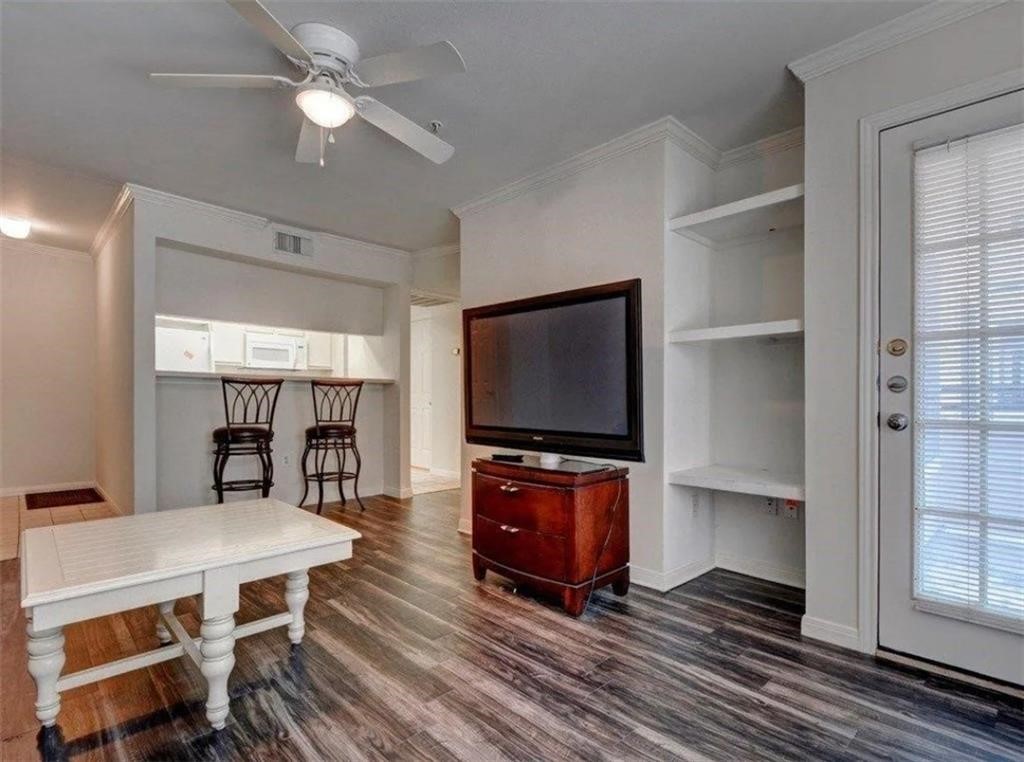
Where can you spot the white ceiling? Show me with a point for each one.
(546, 80)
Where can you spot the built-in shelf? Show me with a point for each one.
(749, 481)
(774, 329)
(749, 217)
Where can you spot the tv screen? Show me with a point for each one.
(557, 373)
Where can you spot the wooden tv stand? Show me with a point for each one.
(544, 527)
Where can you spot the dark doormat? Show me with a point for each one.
(64, 497)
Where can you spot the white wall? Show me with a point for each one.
(444, 325)
(187, 410)
(604, 224)
(216, 288)
(436, 271)
(115, 364)
(981, 46)
(48, 344)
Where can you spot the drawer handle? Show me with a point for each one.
(509, 488)
(510, 530)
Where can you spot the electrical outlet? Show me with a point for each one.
(695, 502)
(771, 506)
(791, 509)
(287, 460)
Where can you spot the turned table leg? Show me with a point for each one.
(218, 652)
(45, 661)
(296, 593)
(162, 633)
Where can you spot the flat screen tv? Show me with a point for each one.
(559, 373)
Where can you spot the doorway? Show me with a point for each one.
(435, 395)
(951, 388)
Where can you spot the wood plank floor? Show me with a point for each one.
(406, 657)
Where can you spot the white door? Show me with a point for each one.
(419, 393)
(951, 442)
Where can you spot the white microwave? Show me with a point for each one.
(268, 350)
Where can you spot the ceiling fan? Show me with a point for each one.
(329, 59)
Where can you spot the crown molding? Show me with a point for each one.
(777, 143)
(16, 246)
(666, 128)
(435, 252)
(131, 193)
(122, 202)
(162, 198)
(900, 29)
(362, 246)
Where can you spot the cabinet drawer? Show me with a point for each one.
(542, 555)
(527, 506)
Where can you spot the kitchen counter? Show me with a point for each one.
(242, 373)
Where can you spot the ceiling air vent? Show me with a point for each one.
(293, 242)
(422, 299)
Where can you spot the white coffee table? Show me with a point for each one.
(73, 572)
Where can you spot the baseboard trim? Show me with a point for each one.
(466, 526)
(109, 500)
(837, 634)
(784, 575)
(665, 581)
(398, 492)
(56, 487)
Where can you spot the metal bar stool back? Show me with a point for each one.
(335, 402)
(249, 406)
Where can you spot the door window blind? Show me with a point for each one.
(969, 379)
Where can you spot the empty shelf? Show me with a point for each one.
(749, 481)
(773, 329)
(757, 215)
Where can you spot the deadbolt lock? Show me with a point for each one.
(897, 347)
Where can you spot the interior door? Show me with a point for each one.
(420, 395)
(951, 441)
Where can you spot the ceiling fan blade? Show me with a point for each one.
(223, 80)
(308, 149)
(407, 65)
(256, 14)
(404, 130)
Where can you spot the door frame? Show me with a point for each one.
(871, 128)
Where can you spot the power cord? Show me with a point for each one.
(607, 538)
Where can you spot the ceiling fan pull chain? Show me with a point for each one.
(330, 137)
(321, 146)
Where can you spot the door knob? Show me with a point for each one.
(897, 421)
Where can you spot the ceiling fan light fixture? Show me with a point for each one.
(324, 106)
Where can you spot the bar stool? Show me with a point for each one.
(334, 408)
(249, 405)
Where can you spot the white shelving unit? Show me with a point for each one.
(753, 396)
(747, 218)
(773, 329)
(750, 481)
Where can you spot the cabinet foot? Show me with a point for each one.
(621, 584)
(574, 600)
(479, 570)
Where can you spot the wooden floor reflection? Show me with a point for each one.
(406, 657)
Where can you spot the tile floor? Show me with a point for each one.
(422, 482)
(15, 518)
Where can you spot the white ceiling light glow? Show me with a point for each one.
(324, 107)
(15, 227)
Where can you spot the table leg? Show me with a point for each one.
(45, 661)
(296, 593)
(218, 651)
(162, 633)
